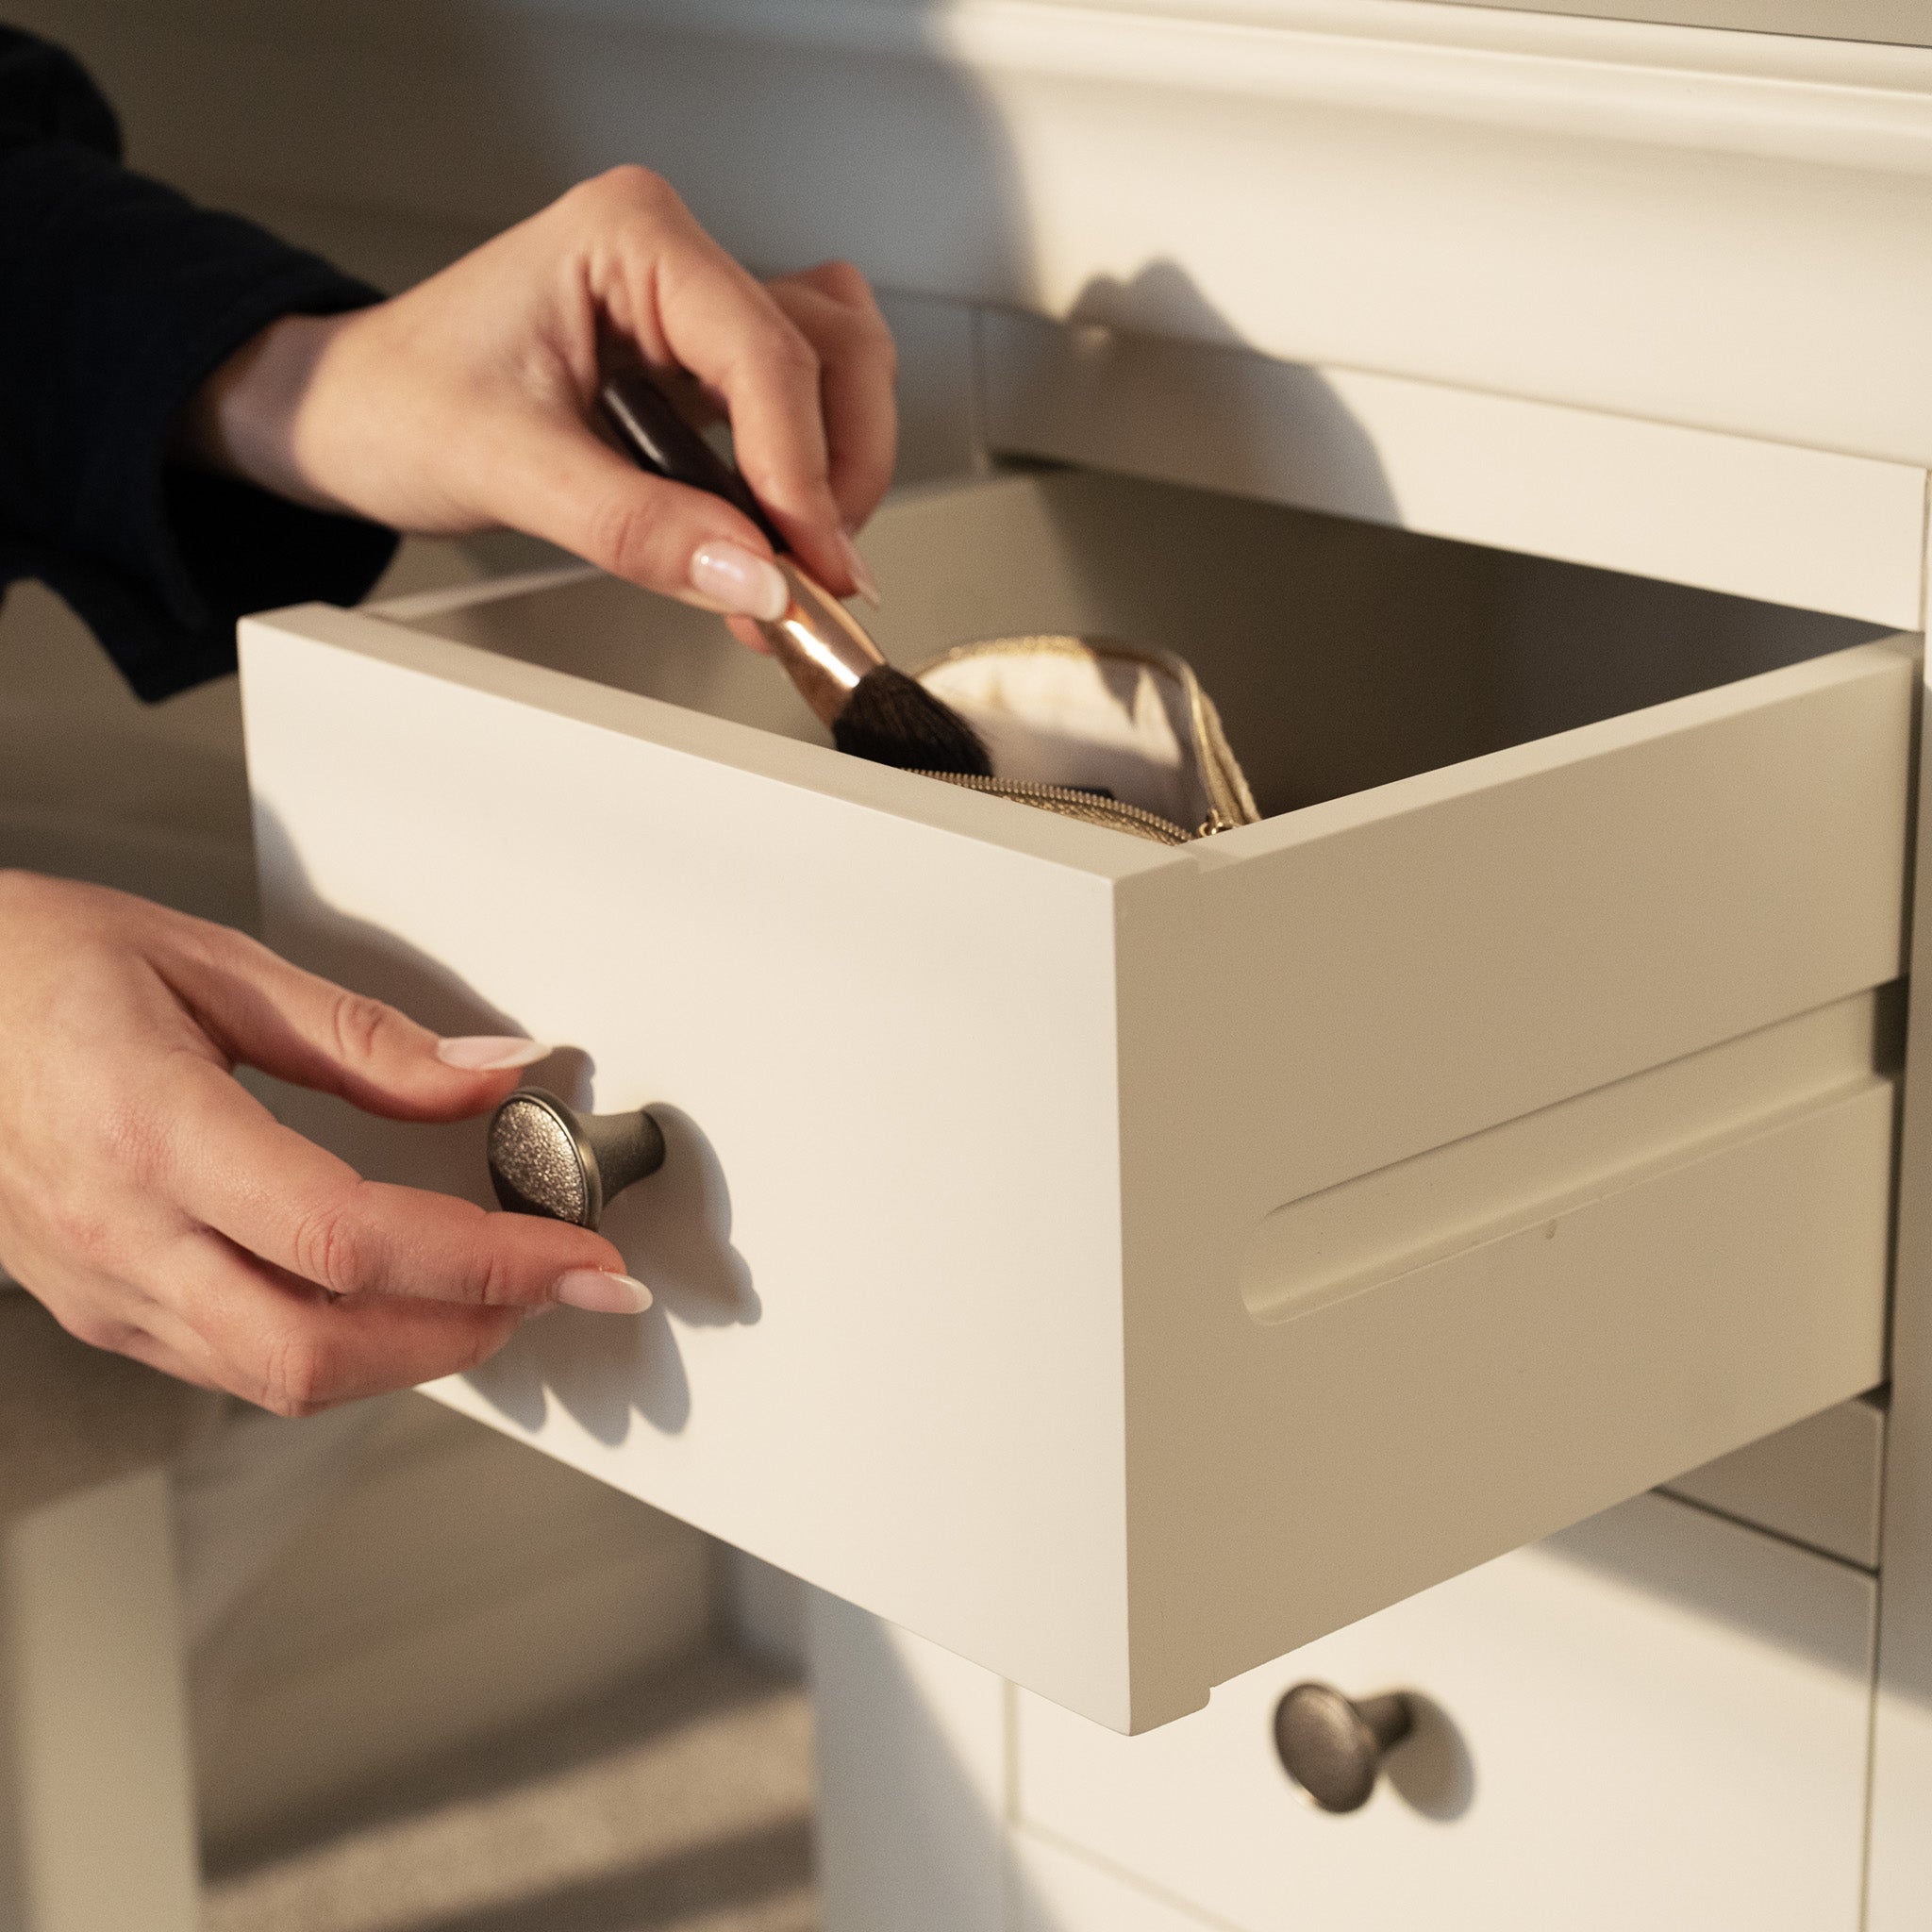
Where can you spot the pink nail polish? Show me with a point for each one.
(490, 1053)
(860, 575)
(746, 585)
(602, 1291)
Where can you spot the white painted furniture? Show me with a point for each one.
(1291, 1221)
(1645, 297)
(96, 1806)
(1656, 1718)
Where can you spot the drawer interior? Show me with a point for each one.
(1343, 656)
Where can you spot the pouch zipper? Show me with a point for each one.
(1228, 806)
(1070, 802)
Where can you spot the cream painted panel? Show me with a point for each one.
(1799, 526)
(1718, 229)
(940, 433)
(974, 1110)
(1901, 1859)
(835, 1302)
(1900, 21)
(1058, 1890)
(1657, 1718)
(96, 1779)
(912, 1749)
(1552, 1169)
(1818, 1482)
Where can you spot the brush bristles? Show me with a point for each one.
(894, 721)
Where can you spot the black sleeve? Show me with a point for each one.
(118, 297)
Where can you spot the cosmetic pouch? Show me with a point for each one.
(1096, 730)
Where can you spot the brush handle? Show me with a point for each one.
(822, 647)
(660, 440)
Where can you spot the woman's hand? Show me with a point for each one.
(467, 403)
(160, 1211)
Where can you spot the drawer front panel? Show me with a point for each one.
(1657, 1718)
(884, 1244)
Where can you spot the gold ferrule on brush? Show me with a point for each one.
(822, 646)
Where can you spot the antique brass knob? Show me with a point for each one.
(545, 1157)
(1333, 1748)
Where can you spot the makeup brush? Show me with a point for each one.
(874, 711)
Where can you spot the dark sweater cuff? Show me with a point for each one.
(142, 297)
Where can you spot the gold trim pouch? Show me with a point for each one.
(1095, 730)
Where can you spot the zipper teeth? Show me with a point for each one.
(1225, 812)
(1065, 794)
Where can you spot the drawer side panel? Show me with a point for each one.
(1379, 986)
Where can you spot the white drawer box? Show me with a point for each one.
(1655, 1719)
(1122, 1264)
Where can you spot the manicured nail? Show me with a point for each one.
(490, 1053)
(602, 1292)
(860, 575)
(744, 584)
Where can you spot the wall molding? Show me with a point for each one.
(1727, 231)
(1823, 102)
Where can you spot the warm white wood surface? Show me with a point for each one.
(1901, 22)
(1553, 1168)
(914, 1764)
(1818, 1482)
(835, 1302)
(1059, 1891)
(1711, 228)
(1809, 528)
(96, 1799)
(1901, 1859)
(1657, 1718)
(954, 1329)
(1324, 1090)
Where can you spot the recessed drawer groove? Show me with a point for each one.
(1546, 1166)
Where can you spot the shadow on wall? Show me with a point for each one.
(1307, 429)
(458, 117)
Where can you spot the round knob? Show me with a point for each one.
(1333, 1748)
(547, 1159)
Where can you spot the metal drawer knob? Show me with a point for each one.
(1333, 1748)
(545, 1157)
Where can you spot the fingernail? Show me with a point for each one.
(490, 1053)
(745, 585)
(602, 1293)
(860, 575)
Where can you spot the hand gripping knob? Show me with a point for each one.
(1332, 1748)
(547, 1159)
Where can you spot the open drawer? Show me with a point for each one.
(1120, 1263)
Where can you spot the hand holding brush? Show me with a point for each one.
(872, 711)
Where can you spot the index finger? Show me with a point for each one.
(689, 303)
(237, 1169)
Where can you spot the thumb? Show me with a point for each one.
(263, 1012)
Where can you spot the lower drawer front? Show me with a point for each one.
(1657, 1718)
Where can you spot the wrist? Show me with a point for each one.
(245, 420)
